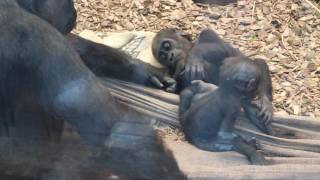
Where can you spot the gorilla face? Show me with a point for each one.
(171, 46)
(170, 52)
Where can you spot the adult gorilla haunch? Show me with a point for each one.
(43, 80)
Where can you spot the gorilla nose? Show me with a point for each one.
(171, 58)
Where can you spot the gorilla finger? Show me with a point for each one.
(203, 75)
(254, 143)
(263, 111)
(196, 82)
(169, 80)
(197, 72)
(253, 104)
(200, 72)
(156, 82)
(265, 114)
(187, 68)
(264, 119)
(188, 71)
(269, 119)
(193, 73)
(171, 89)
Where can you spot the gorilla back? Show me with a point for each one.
(42, 79)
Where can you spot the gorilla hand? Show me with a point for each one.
(260, 113)
(166, 83)
(194, 71)
(266, 111)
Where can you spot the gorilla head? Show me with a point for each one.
(59, 13)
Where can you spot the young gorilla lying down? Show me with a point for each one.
(44, 81)
(207, 113)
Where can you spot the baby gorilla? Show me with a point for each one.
(170, 47)
(202, 60)
(208, 113)
(204, 63)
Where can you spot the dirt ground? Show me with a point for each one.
(286, 33)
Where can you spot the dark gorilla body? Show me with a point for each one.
(208, 113)
(43, 83)
(204, 61)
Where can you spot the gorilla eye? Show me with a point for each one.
(167, 46)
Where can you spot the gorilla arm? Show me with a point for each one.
(260, 111)
(106, 61)
(204, 62)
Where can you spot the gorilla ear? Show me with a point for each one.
(184, 35)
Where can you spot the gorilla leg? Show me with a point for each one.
(197, 90)
(226, 140)
(133, 146)
(32, 122)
